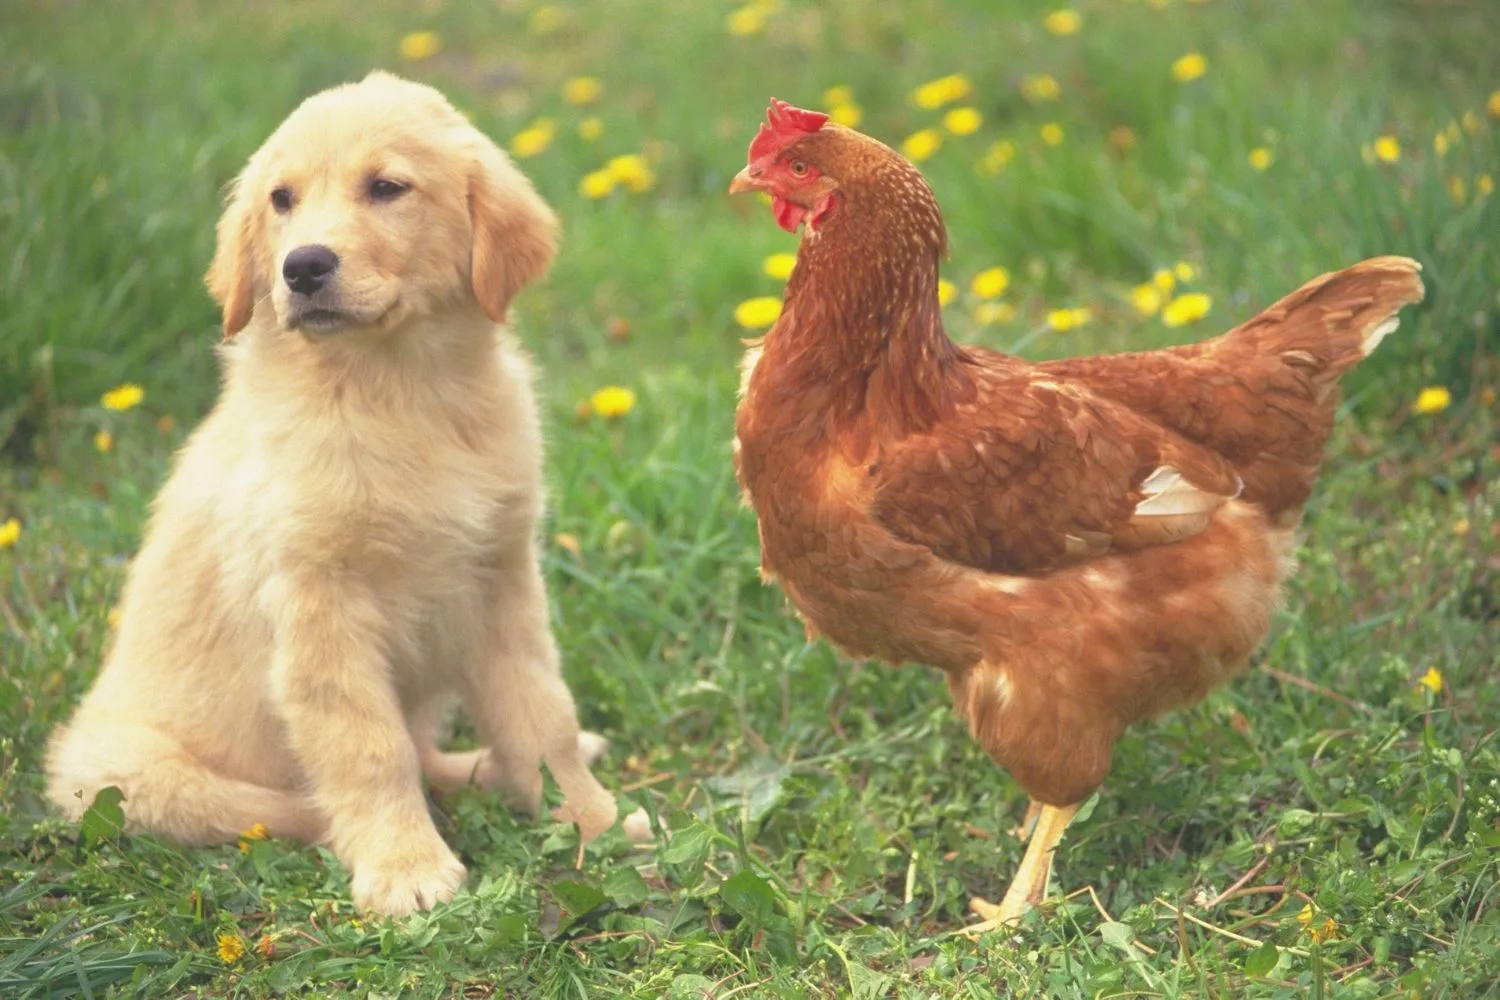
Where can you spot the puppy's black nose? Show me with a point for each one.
(307, 268)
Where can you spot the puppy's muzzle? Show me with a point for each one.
(307, 269)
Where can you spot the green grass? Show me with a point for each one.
(829, 821)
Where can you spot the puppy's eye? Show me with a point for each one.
(799, 168)
(281, 199)
(387, 190)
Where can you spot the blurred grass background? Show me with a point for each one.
(847, 801)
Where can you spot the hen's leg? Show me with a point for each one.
(1030, 883)
(1023, 832)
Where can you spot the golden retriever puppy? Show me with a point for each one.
(346, 546)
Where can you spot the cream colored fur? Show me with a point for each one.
(346, 547)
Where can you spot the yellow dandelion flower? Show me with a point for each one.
(1432, 680)
(1186, 309)
(1053, 134)
(1493, 105)
(947, 291)
(612, 402)
(944, 90)
(1433, 399)
(582, 90)
(534, 138)
(1189, 67)
(779, 265)
(10, 532)
(632, 171)
(922, 144)
(231, 948)
(1460, 528)
(963, 121)
(1457, 189)
(419, 45)
(752, 314)
(112, 619)
(1041, 87)
(1062, 22)
(597, 184)
(746, 21)
(1260, 158)
(840, 94)
(1146, 299)
(1440, 144)
(1484, 185)
(1306, 914)
(987, 313)
(123, 397)
(104, 441)
(847, 114)
(590, 128)
(1387, 149)
(1164, 279)
(544, 20)
(1470, 122)
(1069, 319)
(997, 157)
(1184, 271)
(990, 283)
(257, 831)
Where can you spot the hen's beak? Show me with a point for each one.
(746, 180)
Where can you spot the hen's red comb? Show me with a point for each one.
(783, 124)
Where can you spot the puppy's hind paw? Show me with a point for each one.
(593, 817)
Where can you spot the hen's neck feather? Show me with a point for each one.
(862, 331)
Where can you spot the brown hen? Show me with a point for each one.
(1078, 544)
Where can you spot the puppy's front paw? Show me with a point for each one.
(396, 883)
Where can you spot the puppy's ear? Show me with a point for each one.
(515, 232)
(231, 276)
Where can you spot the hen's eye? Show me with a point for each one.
(799, 168)
(386, 190)
(281, 199)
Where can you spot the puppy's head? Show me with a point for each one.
(373, 203)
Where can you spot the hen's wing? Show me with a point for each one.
(1263, 395)
(1033, 475)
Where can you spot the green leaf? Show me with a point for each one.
(1117, 935)
(747, 894)
(688, 846)
(1295, 822)
(625, 887)
(103, 819)
(1262, 960)
(577, 898)
(758, 786)
(866, 983)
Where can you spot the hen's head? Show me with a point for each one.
(814, 168)
(790, 160)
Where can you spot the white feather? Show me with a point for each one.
(1167, 494)
(1377, 334)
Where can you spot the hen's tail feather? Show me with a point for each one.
(1334, 321)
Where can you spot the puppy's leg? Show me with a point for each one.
(333, 688)
(523, 708)
(167, 790)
